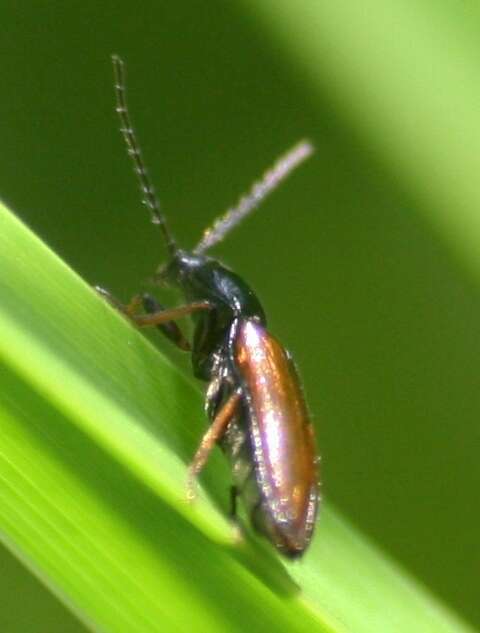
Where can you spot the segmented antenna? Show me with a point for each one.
(248, 203)
(149, 199)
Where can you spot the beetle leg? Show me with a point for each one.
(234, 492)
(115, 303)
(169, 329)
(171, 314)
(238, 528)
(157, 315)
(214, 433)
(128, 309)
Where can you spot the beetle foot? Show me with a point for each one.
(191, 486)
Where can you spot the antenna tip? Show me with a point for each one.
(304, 148)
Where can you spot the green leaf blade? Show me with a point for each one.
(95, 431)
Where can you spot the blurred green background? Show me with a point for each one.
(367, 260)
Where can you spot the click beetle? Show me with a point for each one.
(254, 400)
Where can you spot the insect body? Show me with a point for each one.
(254, 400)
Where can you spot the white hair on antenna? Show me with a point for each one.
(248, 203)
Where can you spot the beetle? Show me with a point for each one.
(254, 400)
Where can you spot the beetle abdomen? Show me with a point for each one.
(281, 436)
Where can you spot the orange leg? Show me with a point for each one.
(164, 316)
(155, 318)
(214, 433)
(156, 315)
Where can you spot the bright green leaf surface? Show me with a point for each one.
(95, 430)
